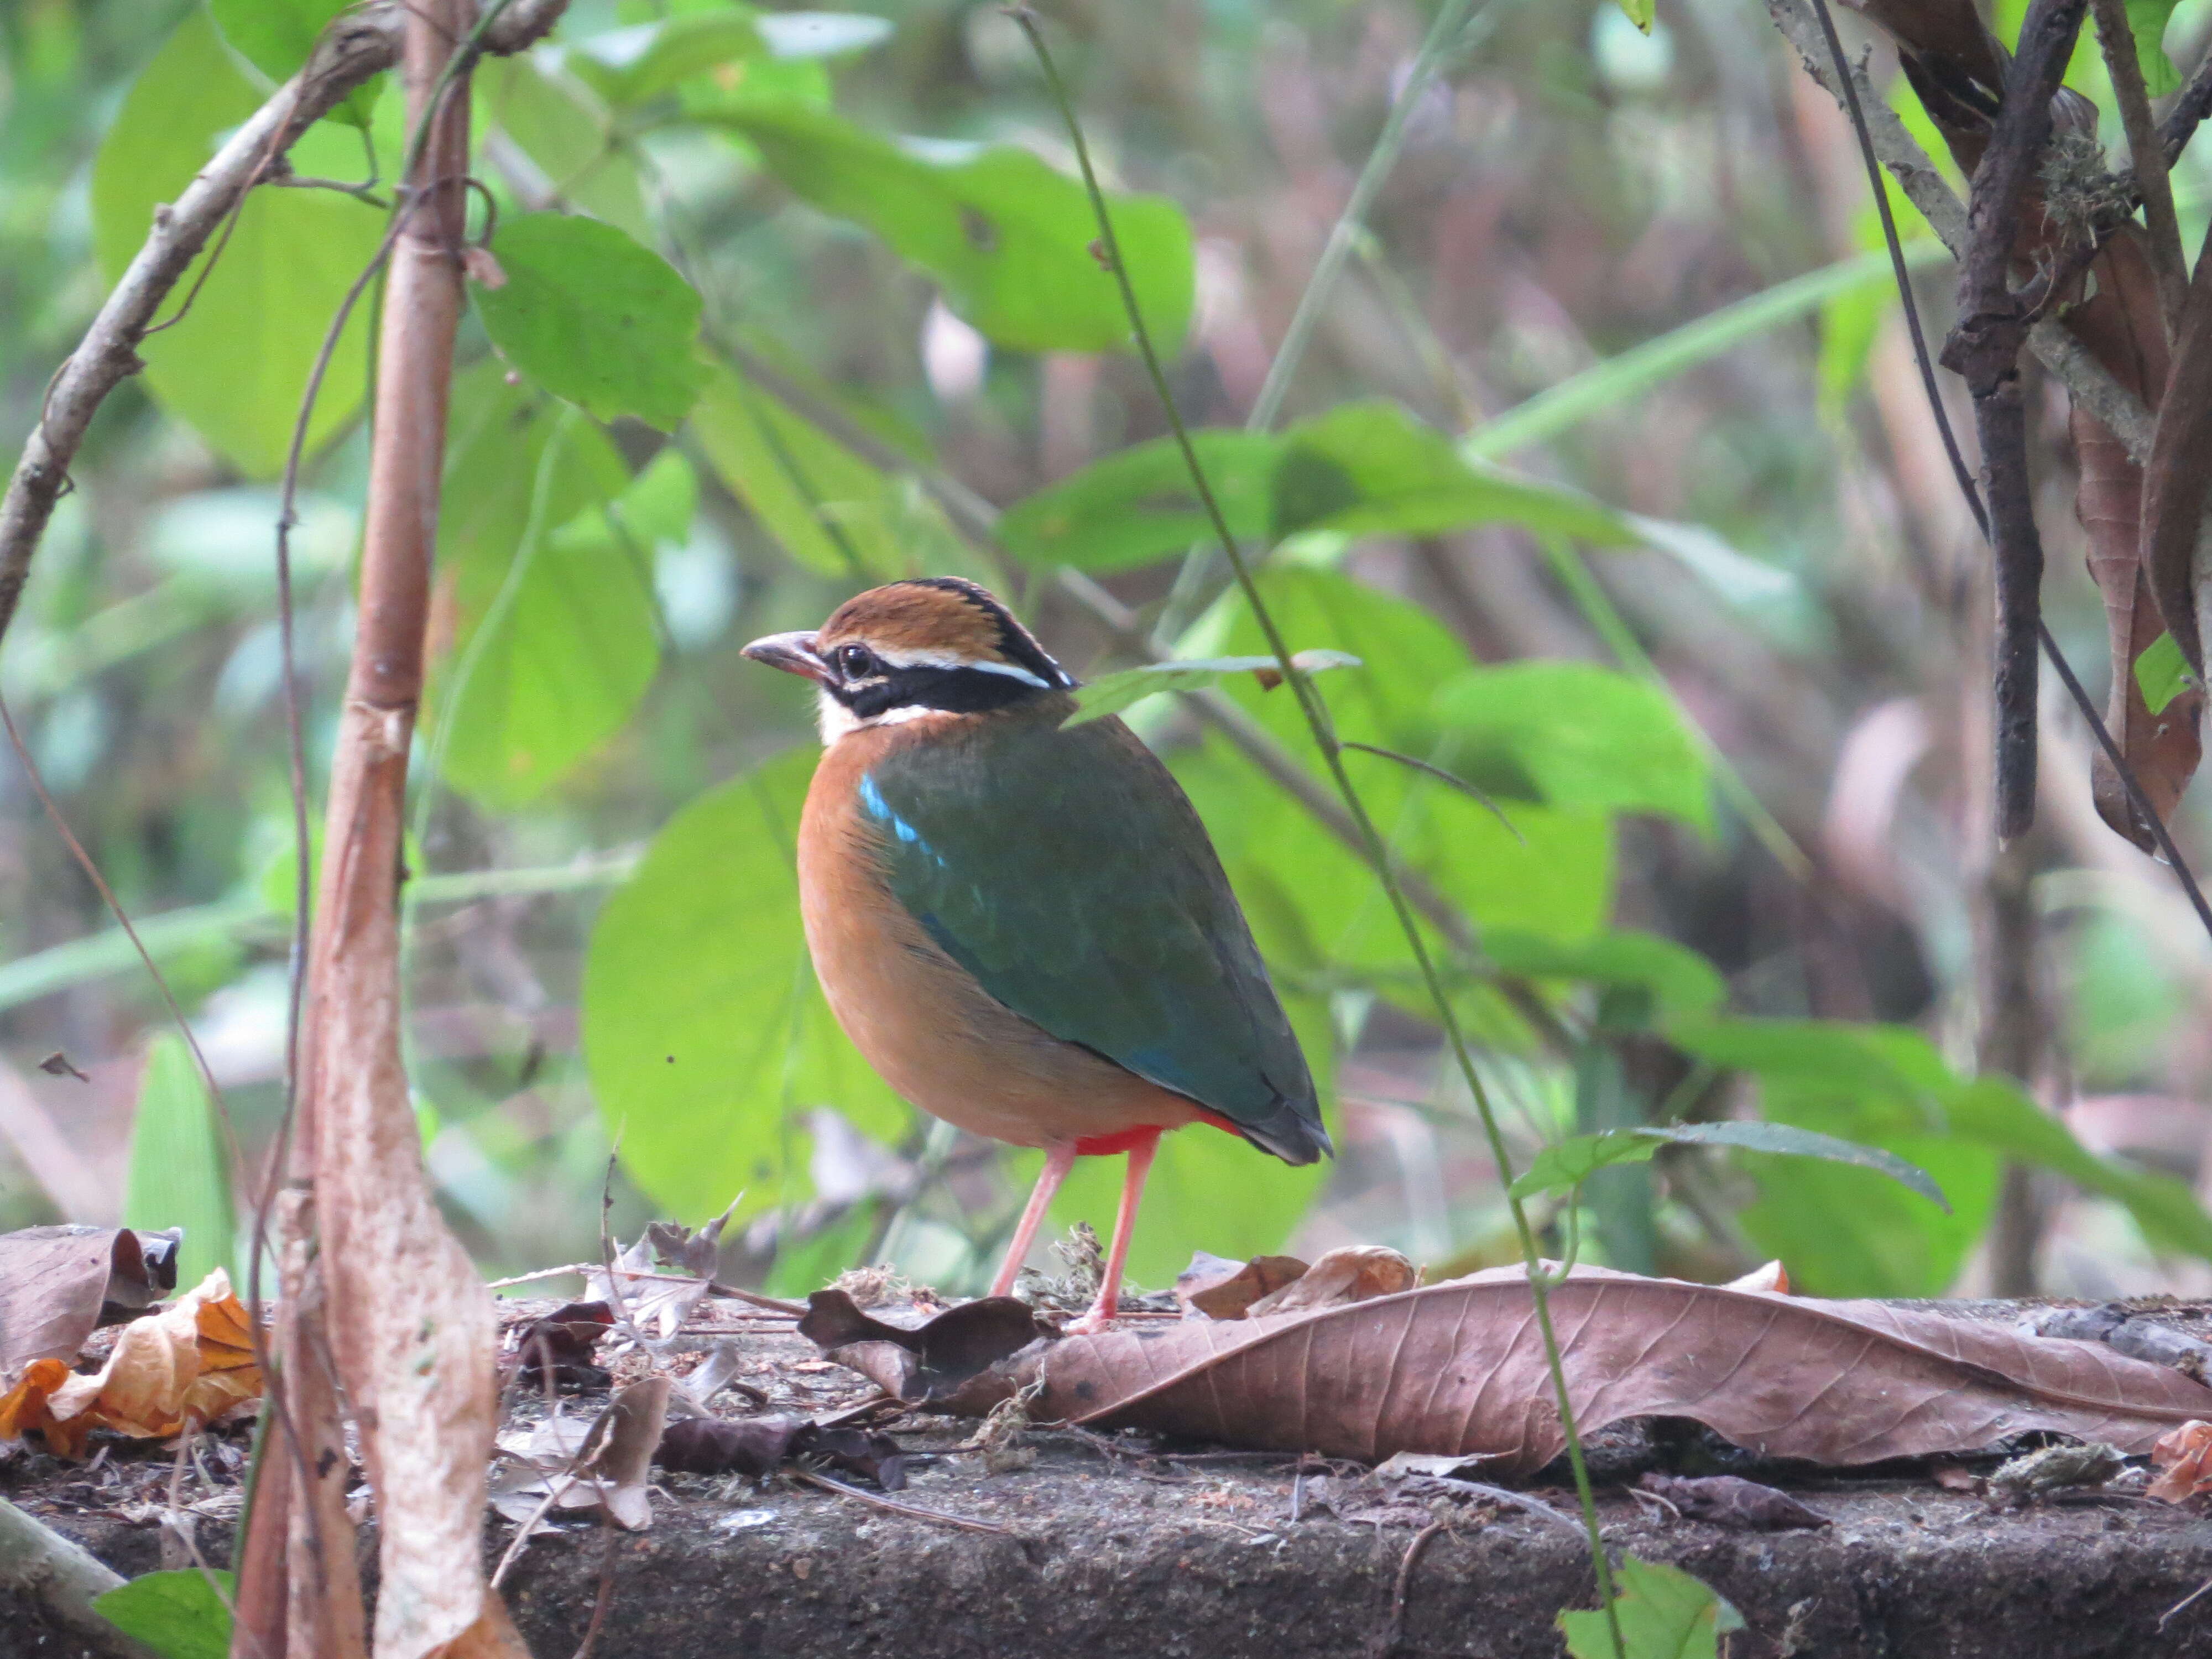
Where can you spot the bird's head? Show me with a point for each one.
(938, 645)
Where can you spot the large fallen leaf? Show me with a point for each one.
(58, 1284)
(1459, 1368)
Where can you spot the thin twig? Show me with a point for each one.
(1438, 773)
(2116, 36)
(605, 1598)
(966, 1523)
(1386, 1644)
(2193, 1596)
(1377, 850)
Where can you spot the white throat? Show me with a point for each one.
(835, 721)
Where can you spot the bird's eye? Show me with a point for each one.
(855, 661)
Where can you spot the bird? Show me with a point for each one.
(1022, 924)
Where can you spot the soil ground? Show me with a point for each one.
(1122, 1549)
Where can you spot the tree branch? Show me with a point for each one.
(357, 44)
(2087, 381)
(61, 1577)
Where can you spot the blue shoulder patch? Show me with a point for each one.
(871, 798)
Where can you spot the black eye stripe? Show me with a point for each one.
(955, 690)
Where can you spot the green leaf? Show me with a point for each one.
(566, 130)
(1889, 1085)
(1639, 13)
(179, 1175)
(556, 638)
(2163, 673)
(1371, 469)
(832, 511)
(631, 66)
(1111, 692)
(706, 1039)
(1570, 1163)
(590, 314)
(236, 367)
(1664, 1612)
(1314, 903)
(179, 1615)
(2147, 20)
(1574, 735)
(1676, 979)
(1139, 504)
(1006, 236)
(276, 37)
(1993, 1112)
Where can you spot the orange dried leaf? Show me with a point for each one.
(189, 1363)
(1354, 1273)
(2181, 1458)
(26, 1408)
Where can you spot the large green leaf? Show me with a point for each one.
(1371, 469)
(594, 317)
(180, 1174)
(184, 1613)
(705, 1038)
(1664, 1612)
(1112, 693)
(1571, 1161)
(1673, 980)
(1138, 504)
(236, 367)
(1362, 468)
(276, 37)
(1313, 905)
(832, 511)
(1841, 1232)
(1573, 734)
(555, 638)
(565, 131)
(630, 66)
(1008, 237)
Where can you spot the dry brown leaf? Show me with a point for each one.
(2122, 326)
(1459, 1368)
(1352, 1272)
(2184, 1461)
(58, 1284)
(1726, 1500)
(1222, 1288)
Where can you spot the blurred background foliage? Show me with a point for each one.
(1602, 453)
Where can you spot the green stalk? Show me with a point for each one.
(1378, 856)
(1193, 580)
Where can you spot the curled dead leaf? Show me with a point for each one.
(1221, 1288)
(2184, 1461)
(1352, 1272)
(1725, 1500)
(932, 1362)
(58, 1284)
(189, 1364)
(1773, 1276)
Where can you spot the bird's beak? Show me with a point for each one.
(792, 653)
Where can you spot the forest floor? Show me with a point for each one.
(1121, 1546)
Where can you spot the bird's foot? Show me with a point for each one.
(1100, 1318)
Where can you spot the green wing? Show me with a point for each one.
(1068, 872)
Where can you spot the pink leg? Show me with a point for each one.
(1059, 1159)
(1125, 1223)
